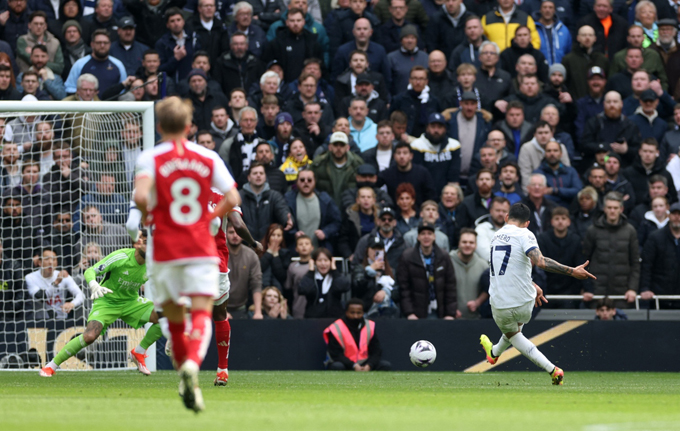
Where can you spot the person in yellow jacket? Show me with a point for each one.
(501, 23)
(352, 343)
(296, 160)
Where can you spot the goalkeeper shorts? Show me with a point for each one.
(135, 313)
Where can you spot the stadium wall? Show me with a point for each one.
(575, 345)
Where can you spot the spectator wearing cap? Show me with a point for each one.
(469, 127)
(336, 169)
(102, 18)
(446, 28)
(521, 45)
(427, 279)
(201, 61)
(582, 58)
(176, 47)
(238, 68)
(243, 22)
(401, 61)
(364, 89)
(388, 34)
(314, 213)
(417, 102)
(283, 124)
(557, 89)
(73, 47)
(107, 69)
(647, 118)
(361, 127)
(660, 267)
(126, 48)
(367, 176)
(386, 232)
(554, 34)
(644, 81)
(667, 47)
(610, 39)
(209, 29)
(592, 103)
(374, 281)
(292, 44)
(380, 156)
(652, 61)
(405, 171)
(203, 100)
(38, 35)
(437, 152)
(429, 213)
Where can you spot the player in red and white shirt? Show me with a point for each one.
(172, 190)
(222, 325)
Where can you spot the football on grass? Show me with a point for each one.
(422, 353)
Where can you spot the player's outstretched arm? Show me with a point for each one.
(550, 265)
(230, 200)
(241, 229)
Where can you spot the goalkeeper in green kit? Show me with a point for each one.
(116, 297)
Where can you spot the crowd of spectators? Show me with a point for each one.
(377, 145)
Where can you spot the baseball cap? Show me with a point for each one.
(198, 72)
(667, 21)
(366, 169)
(436, 117)
(126, 22)
(675, 207)
(468, 95)
(425, 226)
(596, 70)
(364, 78)
(648, 95)
(282, 118)
(339, 137)
(386, 211)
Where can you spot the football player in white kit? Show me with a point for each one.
(513, 294)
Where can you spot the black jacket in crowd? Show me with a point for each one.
(324, 306)
(567, 251)
(660, 268)
(233, 73)
(291, 51)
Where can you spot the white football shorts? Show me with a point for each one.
(172, 281)
(224, 286)
(507, 319)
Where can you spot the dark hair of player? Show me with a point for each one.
(519, 212)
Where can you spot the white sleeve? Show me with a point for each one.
(9, 135)
(72, 287)
(528, 241)
(31, 286)
(146, 165)
(222, 179)
(132, 223)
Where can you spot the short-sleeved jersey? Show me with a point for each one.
(510, 267)
(221, 237)
(183, 175)
(122, 274)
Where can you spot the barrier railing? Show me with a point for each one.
(638, 298)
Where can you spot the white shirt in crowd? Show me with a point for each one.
(55, 295)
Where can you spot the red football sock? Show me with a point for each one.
(200, 335)
(179, 342)
(222, 335)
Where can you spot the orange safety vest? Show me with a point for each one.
(346, 340)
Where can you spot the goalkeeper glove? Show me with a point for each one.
(97, 290)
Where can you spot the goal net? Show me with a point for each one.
(66, 175)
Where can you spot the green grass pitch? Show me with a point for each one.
(319, 401)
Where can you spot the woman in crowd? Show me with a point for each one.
(323, 286)
(274, 262)
(406, 201)
(274, 305)
(645, 17)
(359, 220)
(452, 196)
(587, 211)
(296, 160)
(655, 219)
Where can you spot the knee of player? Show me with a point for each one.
(89, 336)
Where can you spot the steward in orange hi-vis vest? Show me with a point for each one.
(343, 335)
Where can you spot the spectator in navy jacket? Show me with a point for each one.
(417, 102)
(592, 104)
(243, 22)
(126, 48)
(343, 29)
(647, 118)
(563, 181)
(470, 128)
(377, 56)
(14, 22)
(388, 34)
(209, 29)
(446, 28)
(176, 47)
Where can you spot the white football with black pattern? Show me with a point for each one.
(422, 353)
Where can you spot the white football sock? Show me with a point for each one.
(501, 346)
(528, 349)
(140, 350)
(165, 329)
(52, 365)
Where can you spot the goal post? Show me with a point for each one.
(67, 171)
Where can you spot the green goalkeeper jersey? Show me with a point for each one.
(122, 274)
